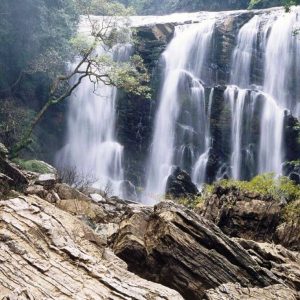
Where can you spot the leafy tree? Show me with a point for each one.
(37, 39)
(131, 76)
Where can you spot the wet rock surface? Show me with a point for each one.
(180, 185)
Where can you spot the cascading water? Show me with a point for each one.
(254, 108)
(92, 150)
(278, 46)
(236, 95)
(280, 43)
(198, 126)
(243, 53)
(181, 116)
(199, 169)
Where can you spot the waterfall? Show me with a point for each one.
(236, 99)
(279, 46)
(243, 53)
(91, 149)
(220, 108)
(236, 95)
(181, 116)
(199, 170)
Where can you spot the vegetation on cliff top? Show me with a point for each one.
(264, 185)
(158, 7)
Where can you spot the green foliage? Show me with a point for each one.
(13, 120)
(191, 202)
(265, 185)
(34, 166)
(29, 30)
(292, 212)
(102, 8)
(131, 76)
(170, 6)
(269, 3)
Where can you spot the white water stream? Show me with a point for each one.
(92, 150)
(182, 128)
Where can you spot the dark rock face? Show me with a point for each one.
(10, 170)
(180, 185)
(224, 41)
(5, 184)
(288, 235)
(136, 114)
(292, 141)
(181, 250)
(241, 214)
(291, 169)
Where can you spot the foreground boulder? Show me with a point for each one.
(45, 253)
(176, 247)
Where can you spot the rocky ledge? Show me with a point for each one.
(46, 253)
(57, 242)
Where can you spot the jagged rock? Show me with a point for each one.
(36, 190)
(292, 169)
(10, 170)
(288, 234)
(3, 151)
(97, 198)
(66, 192)
(232, 291)
(52, 197)
(283, 263)
(45, 253)
(47, 180)
(5, 183)
(180, 185)
(86, 209)
(240, 214)
(174, 246)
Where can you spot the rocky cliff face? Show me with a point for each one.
(249, 215)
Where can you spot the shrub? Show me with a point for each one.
(266, 185)
(191, 202)
(292, 212)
